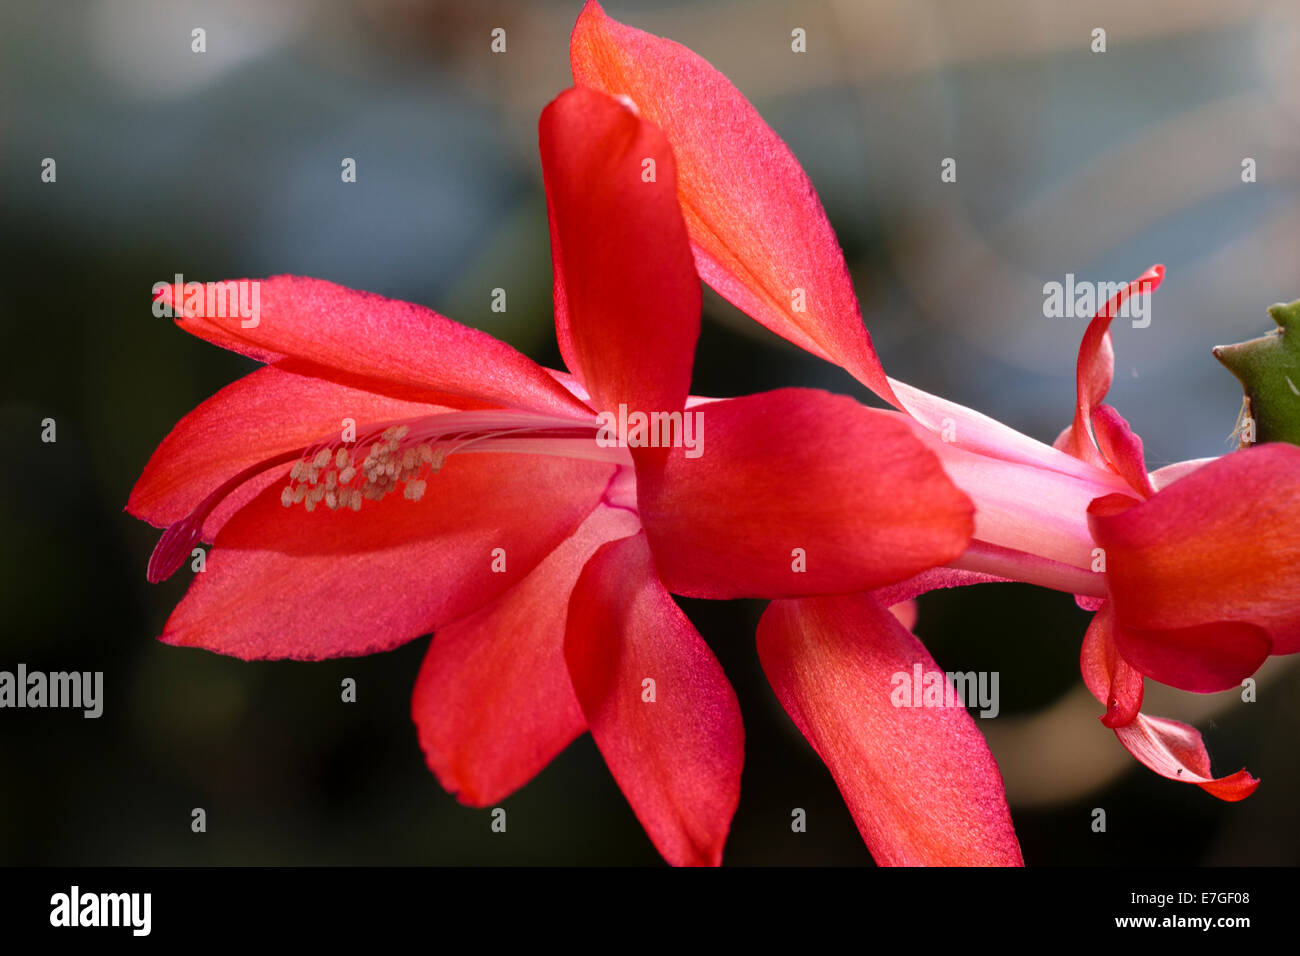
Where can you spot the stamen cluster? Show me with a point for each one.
(333, 475)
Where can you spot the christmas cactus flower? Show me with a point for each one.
(1191, 569)
(390, 473)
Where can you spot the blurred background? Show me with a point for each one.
(226, 164)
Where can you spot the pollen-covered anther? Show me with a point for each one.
(313, 497)
(404, 456)
(328, 472)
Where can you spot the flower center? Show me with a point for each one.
(345, 471)
(330, 474)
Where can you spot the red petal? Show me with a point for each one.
(494, 703)
(282, 582)
(261, 415)
(798, 470)
(1122, 448)
(1169, 748)
(919, 781)
(1204, 658)
(1220, 544)
(1112, 680)
(758, 229)
(317, 328)
(1096, 368)
(678, 758)
(626, 294)
(1176, 751)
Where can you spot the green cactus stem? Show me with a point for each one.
(1269, 370)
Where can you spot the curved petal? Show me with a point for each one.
(1169, 748)
(1096, 368)
(313, 327)
(493, 703)
(760, 235)
(800, 492)
(1220, 544)
(264, 414)
(1176, 751)
(1204, 658)
(920, 782)
(1115, 683)
(660, 708)
(627, 299)
(1122, 448)
(284, 583)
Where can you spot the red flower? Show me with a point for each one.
(1200, 560)
(1190, 568)
(542, 558)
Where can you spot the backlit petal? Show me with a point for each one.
(1122, 448)
(1116, 684)
(1176, 751)
(1095, 369)
(659, 707)
(313, 327)
(1170, 748)
(494, 703)
(287, 583)
(800, 492)
(920, 781)
(627, 299)
(760, 235)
